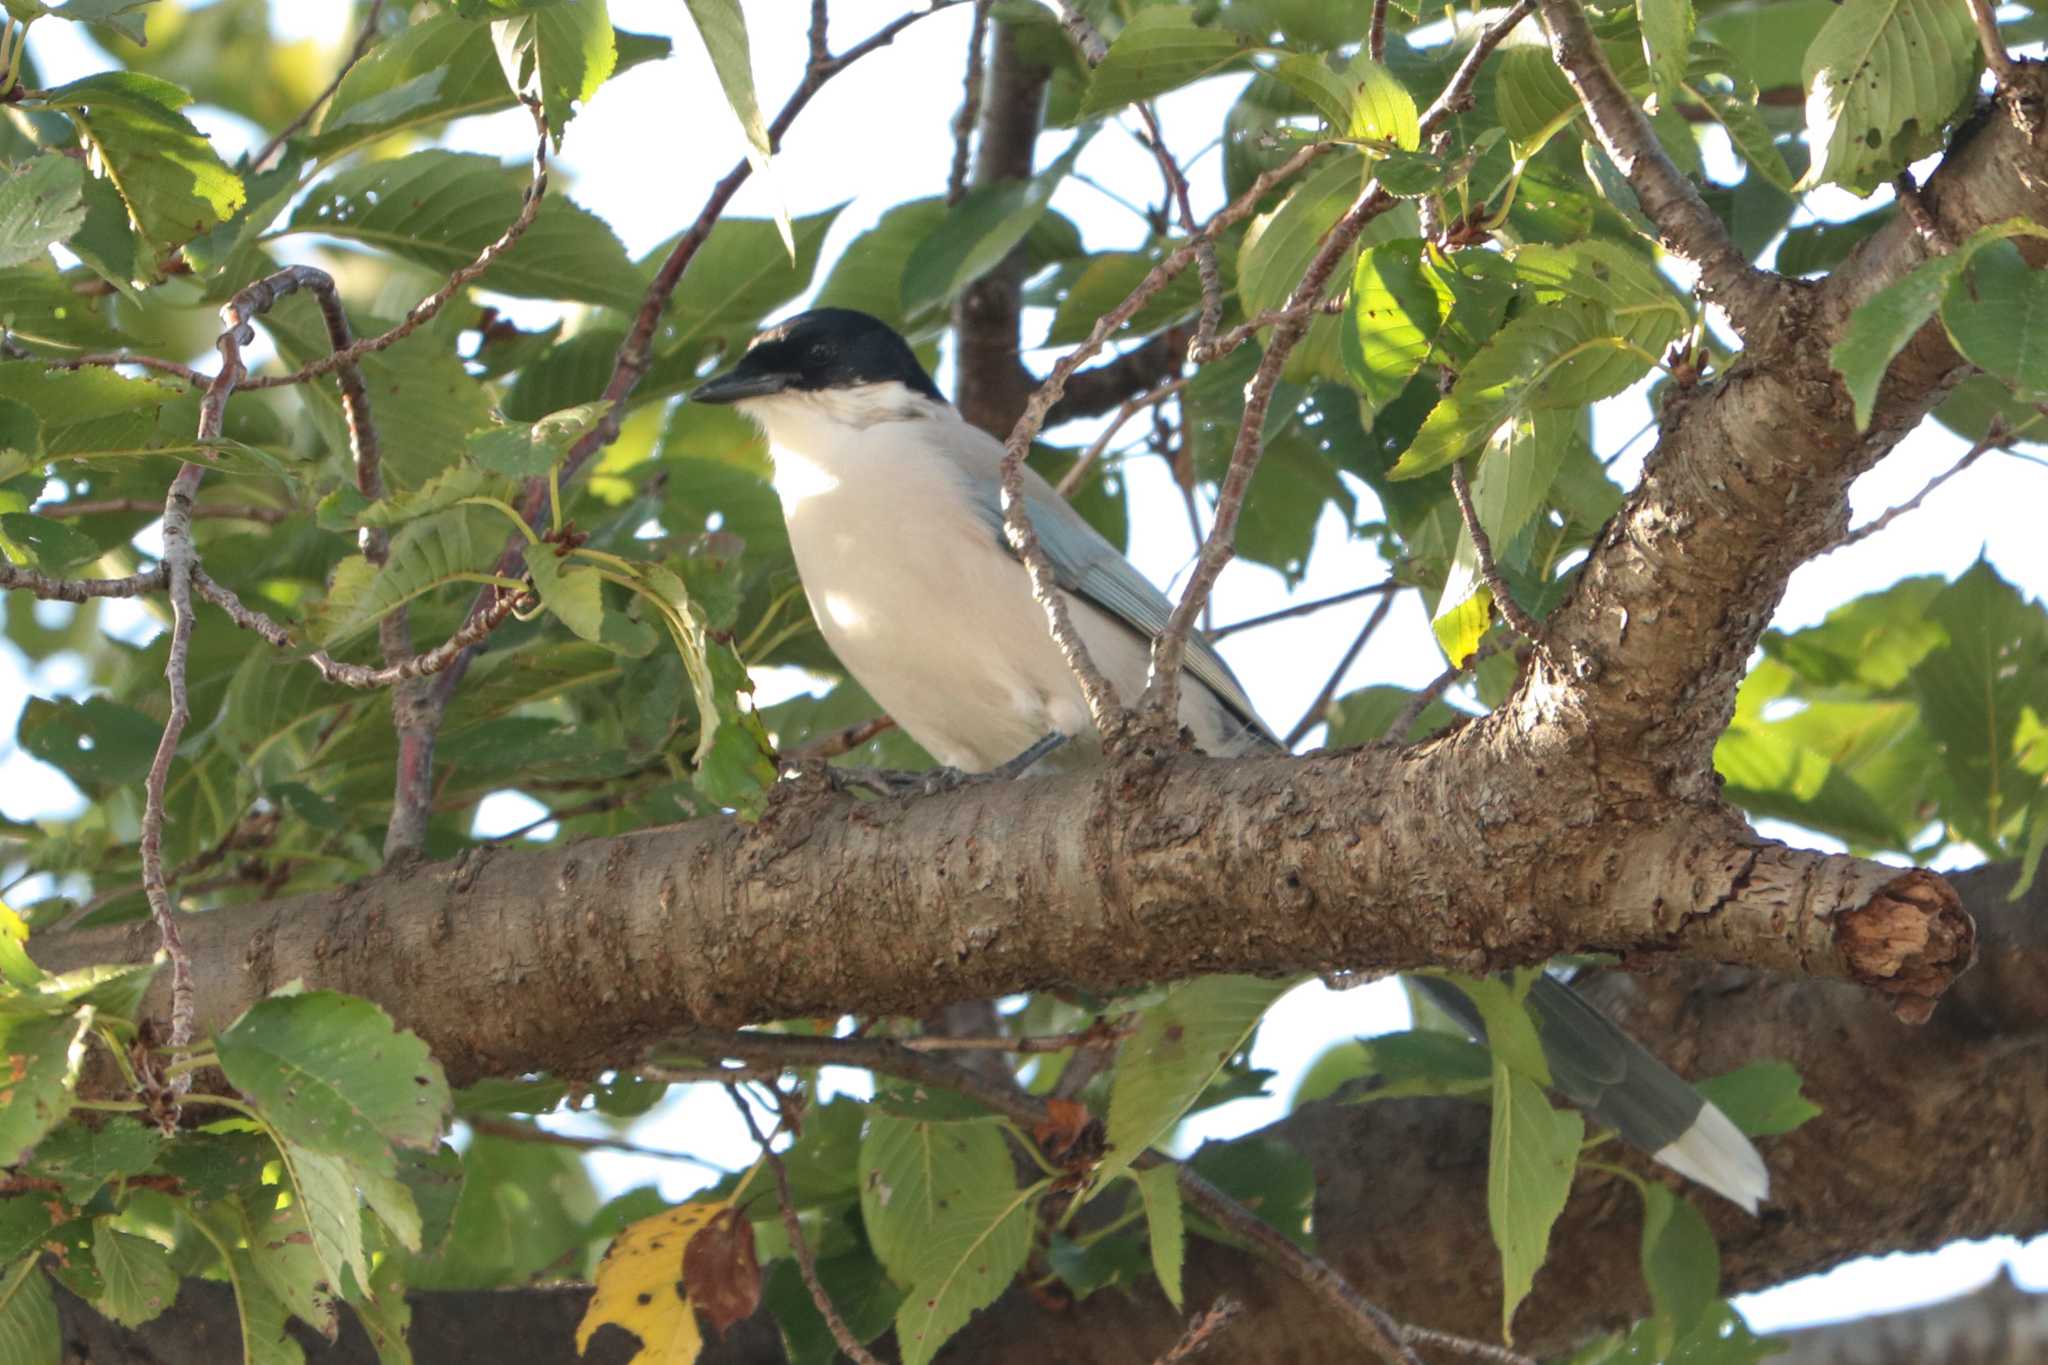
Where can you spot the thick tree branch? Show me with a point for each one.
(1923, 1139)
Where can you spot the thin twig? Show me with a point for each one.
(1510, 610)
(596, 805)
(1306, 608)
(1085, 35)
(1206, 269)
(843, 740)
(1128, 409)
(96, 507)
(512, 1131)
(80, 589)
(1104, 706)
(1466, 1346)
(1098, 1035)
(366, 36)
(1320, 707)
(1994, 437)
(793, 1227)
(1907, 192)
(429, 307)
(970, 105)
(114, 359)
(1687, 227)
(1420, 702)
(1376, 33)
(1202, 1330)
(1995, 56)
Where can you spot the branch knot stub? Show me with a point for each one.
(1908, 942)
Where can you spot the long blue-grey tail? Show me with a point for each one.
(1620, 1085)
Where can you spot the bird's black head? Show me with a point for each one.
(826, 348)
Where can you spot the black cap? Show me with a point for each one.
(826, 348)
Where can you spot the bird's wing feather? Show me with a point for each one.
(1090, 567)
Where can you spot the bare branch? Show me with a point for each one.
(512, 1131)
(430, 307)
(96, 507)
(366, 36)
(1085, 35)
(970, 105)
(793, 1228)
(1687, 227)
(1417, 704)
(844, 740)
(1130, 408)
(1205, 253)
(1202, 1328)
(1320, 707)
(80, 589)
(1376, 33)
(1994, 437)
(1504, 601)
(1305, 608)
(114, 359)
(1995, 56)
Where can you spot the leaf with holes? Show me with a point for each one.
(42, 202)
(173, 182)
(1883, 78)
(975, 1248)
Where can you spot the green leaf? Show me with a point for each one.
(564, 49)
(1363, 102)
(975, 1249)
(1735, 110)
(334, 1075)
(82, 1158)
(979, 232)
(1159, 1188)
(913, 1173)
(1267, 1177)
(1996, 312)
(740, 274)
(1983, 696)
(439, 209)
(1883, 79)
(1681, 1263)
(1534, 1150)
(574, 596)
(41, 1061)
(424, 555)
(29, 1332)
(52, 546)
(527, 449)
(42, 202)
(1762, 1098)
(724, 30)
(96, 743)
(869, 274)
(1536, 361)
(860, 1290)
(124, 17)
(1104, 280)
(1179, 1047)
(1882, 325)
(140, 1280)
(1160, 49)
(1667, 27)
(1363, 716)
(285, 1259)
(174, 184)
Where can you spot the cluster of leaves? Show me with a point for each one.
(1910, 718)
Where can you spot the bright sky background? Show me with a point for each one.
(644, 155)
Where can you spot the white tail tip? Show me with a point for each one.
(1716, 1154)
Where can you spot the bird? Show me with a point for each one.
(894, 509)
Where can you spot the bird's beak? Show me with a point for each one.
(734, 385)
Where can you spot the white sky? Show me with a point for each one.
(646, 152)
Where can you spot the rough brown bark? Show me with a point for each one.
(1928, 1134)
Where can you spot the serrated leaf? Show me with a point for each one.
(564, 49)
(29, 1331)
(913, 1172)
(638, 1286)
(723, 27)
(439, 209)
(42, 202)
(1681, 1263)
(527, 449)
(332, 1073)
(1735, 110)
(1531, 363)
(869, 274)
(975, 1249)
(81, 1158)
(424, 555)
(1762, 1098)
(1883, 78)
(1160, 49)
(1179, 1047)
(1996, 312)
(173, 182)
(140, 1280)
(39, 1063)
(1364, 101)
(1533, 1152)
(1159, 1189)
(52, 546)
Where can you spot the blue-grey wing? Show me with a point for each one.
(1091, 568)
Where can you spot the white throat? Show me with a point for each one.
(813, 436)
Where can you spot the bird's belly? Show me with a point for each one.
(939, 626)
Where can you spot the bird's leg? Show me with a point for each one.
(1046, 744)
(884, 782)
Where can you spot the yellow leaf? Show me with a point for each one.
(640, 1287)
